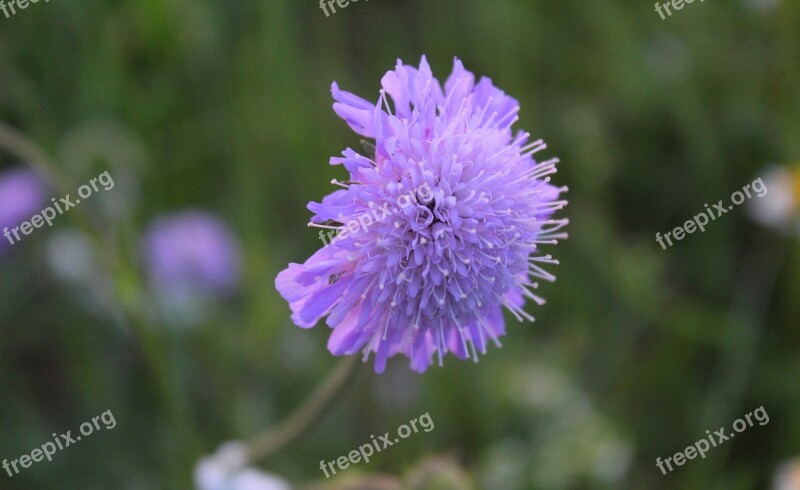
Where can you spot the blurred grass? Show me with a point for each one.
(230, 102)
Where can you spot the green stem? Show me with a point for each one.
(301, 419)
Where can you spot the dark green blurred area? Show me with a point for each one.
(226, 106)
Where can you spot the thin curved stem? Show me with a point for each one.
(29, 153)
(18, 144)
(271, 441)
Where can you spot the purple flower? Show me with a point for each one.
(192, 253)
(432, 278)
(22, 194)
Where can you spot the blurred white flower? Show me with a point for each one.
(72, 256)
(573, 440)
(761, 6)
(75, 261)
(106, 144)
(667, 57)
(780, 206)
(506, 464)
(546, 388)
(788, 476)
(226, 470)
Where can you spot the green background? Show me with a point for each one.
(226, 106)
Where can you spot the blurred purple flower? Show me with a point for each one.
(433, 277)
(192, 253)
(23, 193)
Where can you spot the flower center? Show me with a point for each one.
(432, 207)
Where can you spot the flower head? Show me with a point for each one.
(192, 253)
(22, 194)
(431, 273)
(779, 207)
(787, 477)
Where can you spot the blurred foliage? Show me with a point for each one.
(226, 106)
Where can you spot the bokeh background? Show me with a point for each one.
(214, 120)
